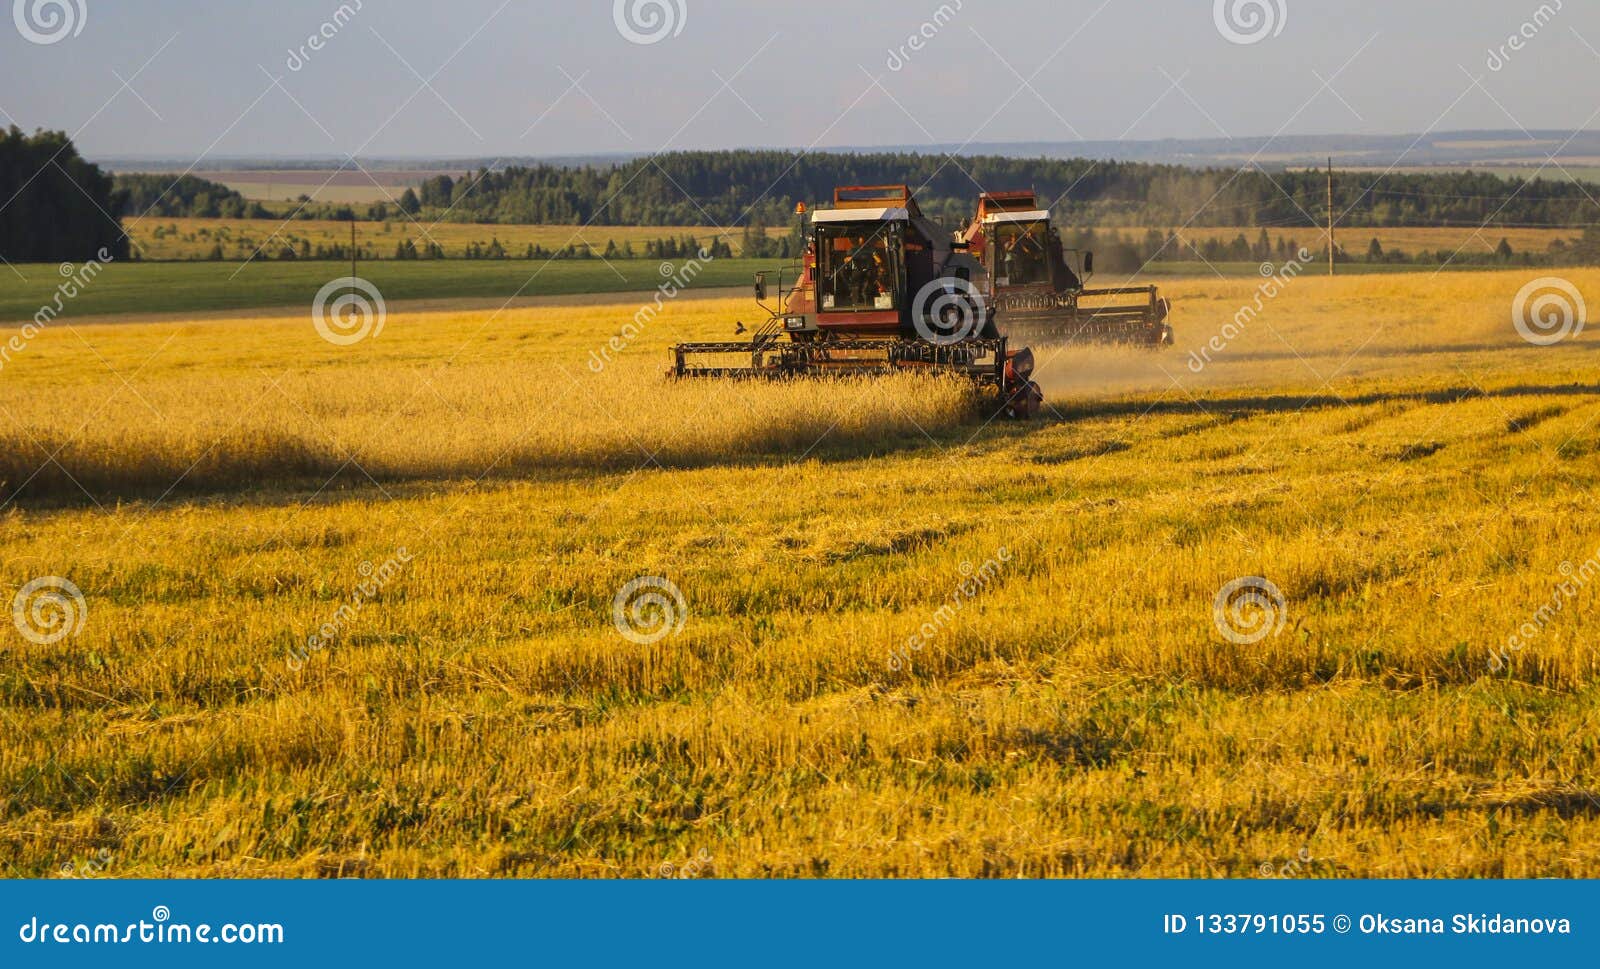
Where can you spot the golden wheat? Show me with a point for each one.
(279, 404)
(1074, 712)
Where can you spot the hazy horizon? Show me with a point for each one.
(974, 148)
(485, 78)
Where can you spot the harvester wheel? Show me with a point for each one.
(1025, 403)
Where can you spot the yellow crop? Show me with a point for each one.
(913, 642)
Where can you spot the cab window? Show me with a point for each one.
(859, 266)
(1020, 255)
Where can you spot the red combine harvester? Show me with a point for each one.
(1039, 296)
(881, 290)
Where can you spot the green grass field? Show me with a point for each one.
(211, 287)
(202, 287)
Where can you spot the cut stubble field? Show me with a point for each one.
(914, 642)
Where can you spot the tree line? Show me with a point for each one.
(54, 206)
(187, 196)
(62, 207)
(736, 188)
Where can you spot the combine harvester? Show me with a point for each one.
(1038, 296)
(881, 290)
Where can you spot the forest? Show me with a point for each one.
(733, 187)
(54, 205)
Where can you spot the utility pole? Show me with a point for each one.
(1330, 215)
(353, 248)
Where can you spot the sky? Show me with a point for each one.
(475, 78)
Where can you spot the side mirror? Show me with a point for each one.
(761, 287)
(1088, 264)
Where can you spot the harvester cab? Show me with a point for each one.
(874, 266)
(1039, 295)
(880, 288)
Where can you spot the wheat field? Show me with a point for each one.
(914, 641)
